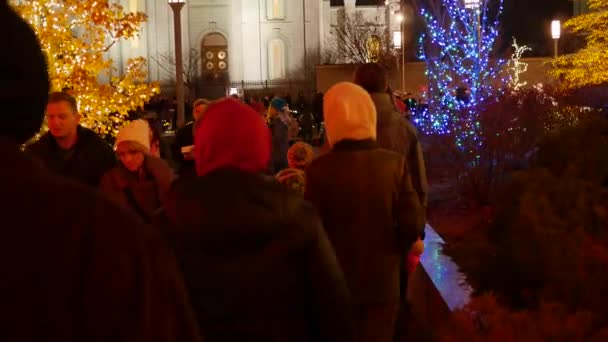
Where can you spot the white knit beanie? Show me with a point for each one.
(137, 131)
(350, 113)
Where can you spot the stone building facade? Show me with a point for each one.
(242, 40)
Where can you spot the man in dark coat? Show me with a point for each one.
(76, 268)
(368, 206)
(394, 132)
(256, 259)
(278, 114)
(184, 141)
(69, 149)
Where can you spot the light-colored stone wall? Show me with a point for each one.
(415, 78)
(245, 25)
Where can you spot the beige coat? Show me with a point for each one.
(141, 194)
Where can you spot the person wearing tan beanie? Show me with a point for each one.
(141, 181)
(368, 206)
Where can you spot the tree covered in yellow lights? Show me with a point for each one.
(76, 36)
(588, 66)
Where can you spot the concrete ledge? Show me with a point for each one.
(437, 287)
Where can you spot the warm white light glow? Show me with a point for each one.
(277, 63)
(556, 29)
(233, 91)
(397, 39)
(471, 4)
(177, 1)
(399, 17)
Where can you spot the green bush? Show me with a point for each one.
(580, 151)
(550, 239)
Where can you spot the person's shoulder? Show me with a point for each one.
(185, 132)
(110, 176)
(387, 154)
(318, 163)
(39, 145)
(159, 167)
(301, 218)
(89, 207)
(386, 158)
(93, 139)
(408, 127)
(186, 127)
(157, 163)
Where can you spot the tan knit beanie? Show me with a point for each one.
(137, 131)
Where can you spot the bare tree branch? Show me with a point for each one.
(166, 62)
(358, 40)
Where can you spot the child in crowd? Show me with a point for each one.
(299, 156)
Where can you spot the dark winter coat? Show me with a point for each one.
(257, 262)
(86, 162)
(280, 144)
(77, 268)
(183, 138)
(399, 135)
(371, 213)
(142, 194)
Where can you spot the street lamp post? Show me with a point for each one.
(176, 6)
(474, 5)
(401, 20)
(556, 33)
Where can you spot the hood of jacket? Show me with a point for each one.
(350, 113)
(231, 135)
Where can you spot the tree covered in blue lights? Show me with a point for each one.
(457, 48)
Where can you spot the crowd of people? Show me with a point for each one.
(250, 240)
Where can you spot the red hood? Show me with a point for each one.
(232, 135)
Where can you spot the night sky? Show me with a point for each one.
(527, 20)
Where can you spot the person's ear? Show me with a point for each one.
(77, 115)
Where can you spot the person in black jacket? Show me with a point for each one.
(77, 268)
(70, 149)
(257, 262)
(184, 141)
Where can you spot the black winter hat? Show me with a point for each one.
(24, 83)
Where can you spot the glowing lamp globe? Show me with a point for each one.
(471, 4)
(556, 29)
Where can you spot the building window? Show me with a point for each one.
(397, 39)
(277, 61)
(275, 9)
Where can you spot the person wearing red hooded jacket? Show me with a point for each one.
(256, 260)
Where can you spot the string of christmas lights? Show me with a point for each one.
(457, 49)
(76, 36)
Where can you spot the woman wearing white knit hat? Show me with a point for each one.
(141, 180)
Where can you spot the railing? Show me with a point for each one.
(270, 85)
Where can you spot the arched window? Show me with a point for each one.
(275, 9)
(277, 61)
(214, 57)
